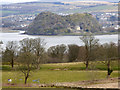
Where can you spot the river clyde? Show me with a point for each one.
(56, 40)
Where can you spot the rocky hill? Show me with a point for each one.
(47, 23)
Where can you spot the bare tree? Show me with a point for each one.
(81, 54)
(25, 61)
(35, 46)
(27, 45)
(110, 53)
(1, 47)
(26, 58)
(31, 53)
(10, 53)
(39, 50)
(57, 52)
(1, 51)
(73, 51)
(90, 43)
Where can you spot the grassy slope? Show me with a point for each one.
(103, 8)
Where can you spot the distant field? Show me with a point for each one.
(6, 12)
(89, 2)
(103, 8)
(61, 7)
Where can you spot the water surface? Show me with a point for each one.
(56, 40)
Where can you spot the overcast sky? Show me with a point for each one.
(16, 1)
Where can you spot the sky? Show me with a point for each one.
(16, 1)
(19, 1)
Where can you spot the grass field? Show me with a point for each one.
(103, 8)
(61, 72)
(5, 11)
(98, 65)
(47, 76)
(80, 66)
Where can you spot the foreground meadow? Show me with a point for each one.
(47, 76)
(58, 73)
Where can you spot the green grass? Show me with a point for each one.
(60, 72)
(47, 76)
(6, 11)
(98, 65)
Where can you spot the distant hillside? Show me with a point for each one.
(47, 23)
(58, 6)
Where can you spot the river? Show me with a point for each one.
(56, 40)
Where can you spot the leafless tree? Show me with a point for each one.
(11, 52)
(73, 51)
(1, 50)
(90, 43)
(35, 46)
(25, 61)
(110, 53)
(39, 50)
(31, 53)
(57, 52)
(27, 45)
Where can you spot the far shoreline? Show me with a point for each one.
(116, 33)
(7, 30)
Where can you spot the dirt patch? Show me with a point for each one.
(106, 85)
(103, 83)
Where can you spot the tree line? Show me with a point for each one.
(29, 53)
